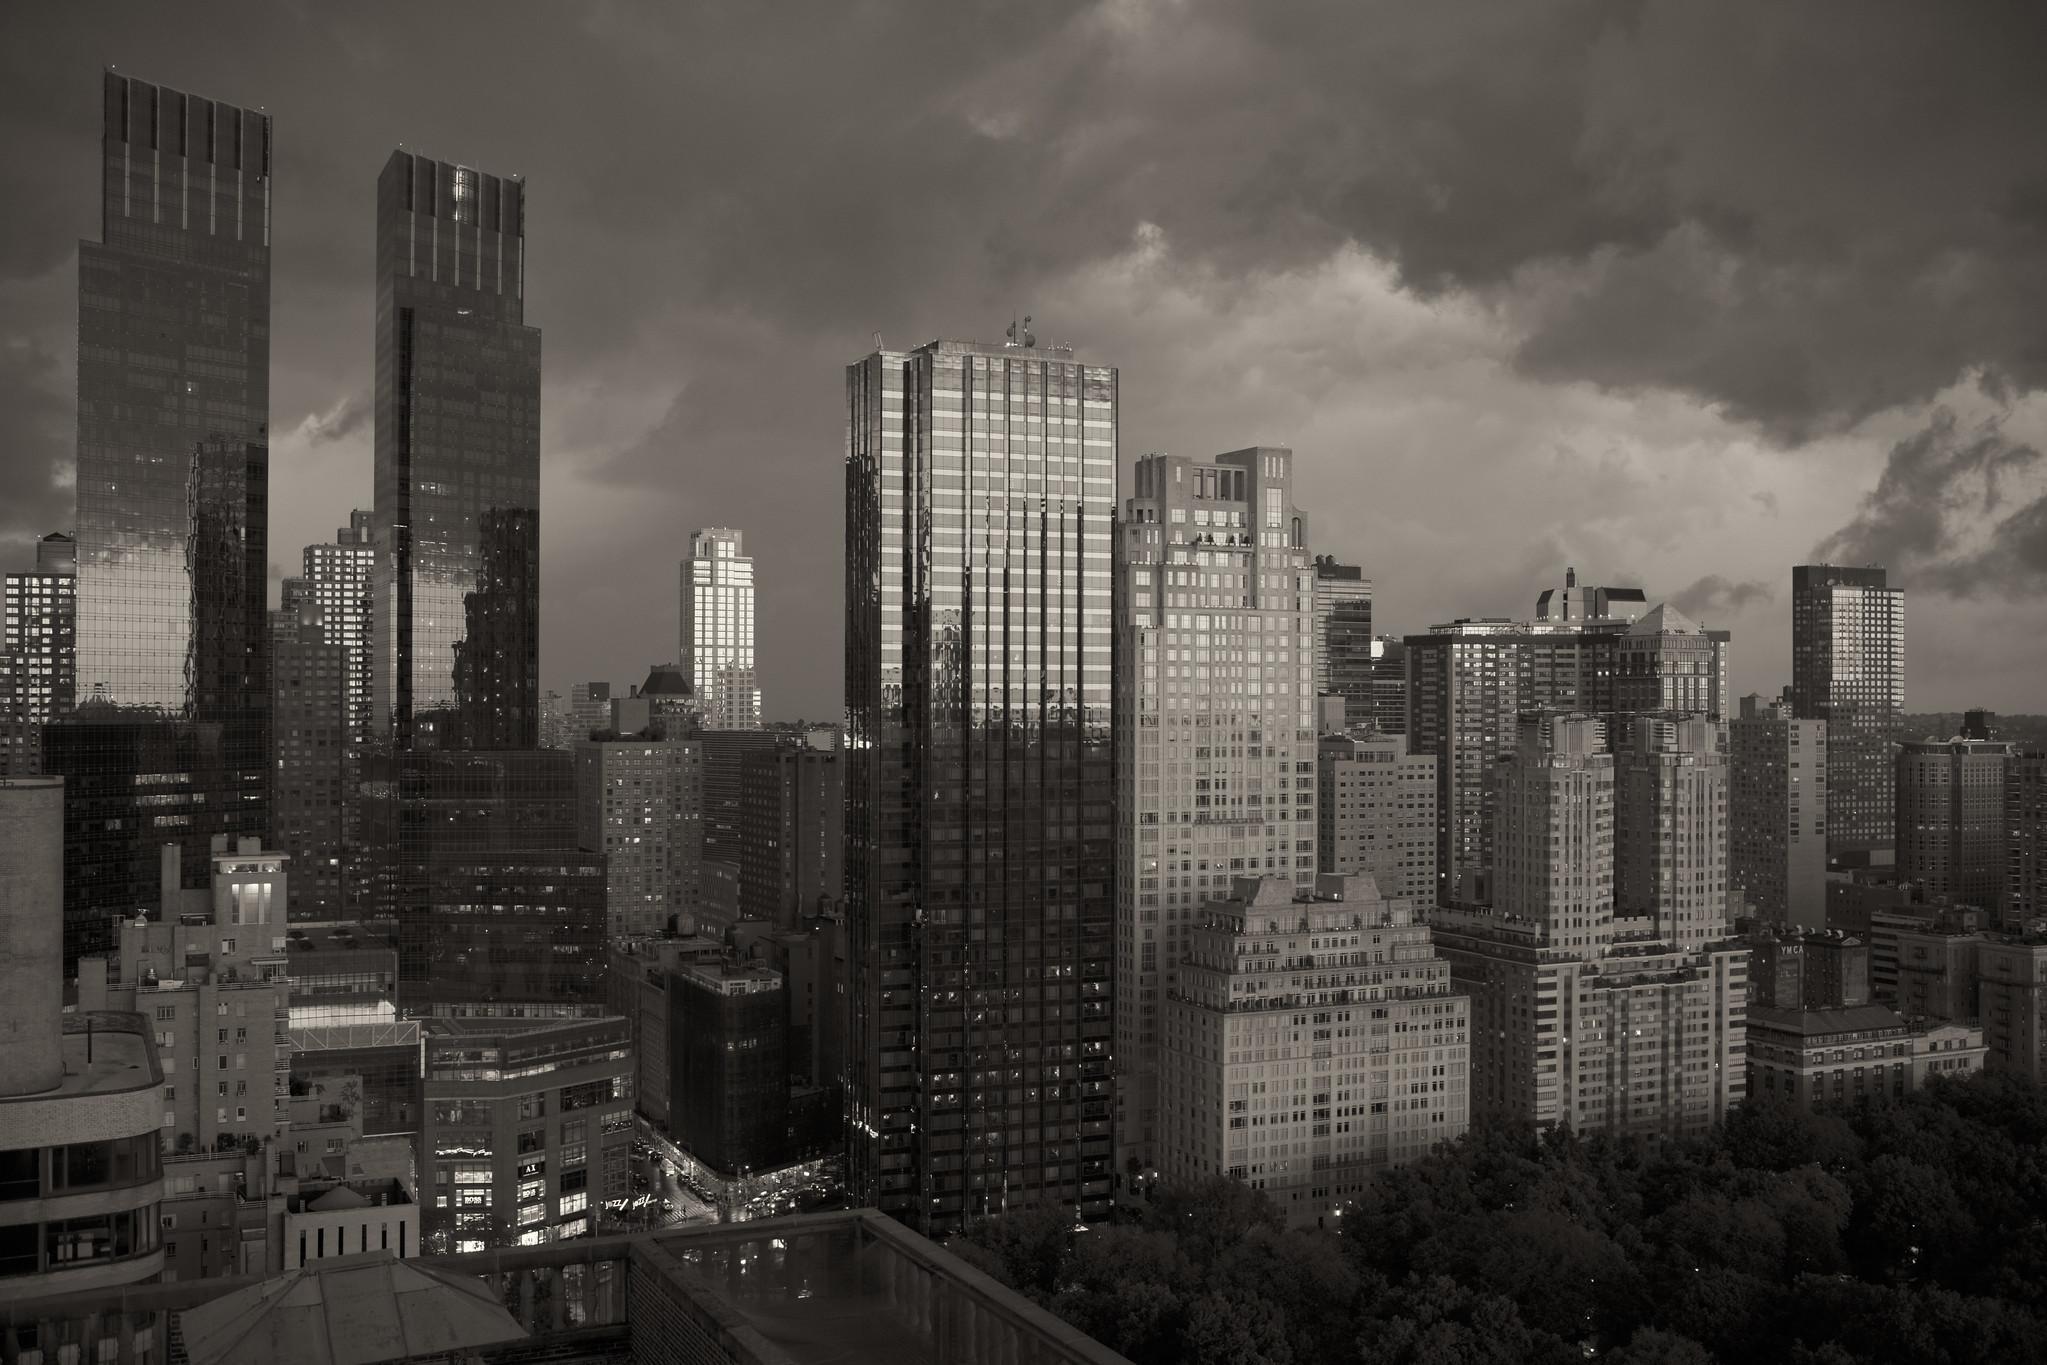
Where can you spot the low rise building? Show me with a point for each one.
(1314, 1039)
(1860, 1052)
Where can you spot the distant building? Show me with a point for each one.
(1936, 971)
(528, 1127)
(1389, 685)
(589, 711)
(81, 1102)
(1315, 1039)
(1343, 637)
(725, 756)
(2012, 999)
(1951, 831)
(1376, 813)
(1668, 662)
(717, 629)
(1777, 813)
(792, 803)
(1822, 970)
(316, 766)
(327, 1219)
(1848, 669)
(39, 644)
(1580, 1018)
(2024, 897)
(639, 799)
(1842, 1055)
(637, 990)
(1670, 827)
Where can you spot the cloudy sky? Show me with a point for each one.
(1679, 294)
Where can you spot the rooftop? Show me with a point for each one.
(818, 1289)
(105, 1051)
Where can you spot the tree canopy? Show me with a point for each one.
(1906, 1232)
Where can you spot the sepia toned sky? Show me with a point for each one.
(1678, 294)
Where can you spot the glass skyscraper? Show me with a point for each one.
(457, 521)
(169, 739)
(717, 630)
(980, 497)
(1343, 636)
(1848, 669)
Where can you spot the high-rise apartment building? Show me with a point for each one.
(2025, 823)
(2011, 988)
(1952, 833)
(717, 629)
(640, 800)
(456, 526)
(1671, 827)
(170, 732)
(1315, 1039)
(1848, 669)
(39, 644)
(980, 503)
(340, 579)
(1217, 633)
(1343, 637)
(1581, 1018)
(792, 810)
(1777, 813)
(1376, 813)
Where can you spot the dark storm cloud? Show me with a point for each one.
(35, 447)
(1715, 593)
(1803, 214)
(1938, 484)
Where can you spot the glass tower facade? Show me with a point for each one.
(456, 526)
(1343, 636)
(1848, 669)
(173, 490)
(980, 497)
(717, 630)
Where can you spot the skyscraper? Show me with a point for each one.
(1668, 662)
(1343, 636)
(456, 526)
(792, 810)
(1953, 837)
(169, 738)
(2025, 823)
(340, 579)
(1216, 734)
(980, 498)
(717, 629)
(639, 798)
(1376, 813)
(1579, 1017)
(1389, 685)
(39, 642)
(1848, 669)
(1777, 813)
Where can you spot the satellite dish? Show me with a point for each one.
(1028, 338)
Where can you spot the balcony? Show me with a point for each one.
(806, 1290)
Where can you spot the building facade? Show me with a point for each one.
(1218, 634)
(980, 504)
(456, 523)
(171, 728)
(314, 774)
(1842, 1055)
(2011, 974)
(2024, 897)
(81, 1094)
(1343, 637)
(39, 646)
(1671, 827)
(1666, 661)
(640, 801)
(792, 808)
(717, 629)
(1312, 1038)
(1777, 813)
(527, 1128)
(1580, 1019)
(1848, 669)
(1952, 833)
(728, 1056)
(1376, 812)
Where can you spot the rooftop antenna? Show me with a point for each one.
(1020, 335)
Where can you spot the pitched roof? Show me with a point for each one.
(350, 1310)
(666, 680)
(1666, 620)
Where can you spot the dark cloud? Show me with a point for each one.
(1715, 593)
(1939, 484)
(1803, 214)
(36, 443)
